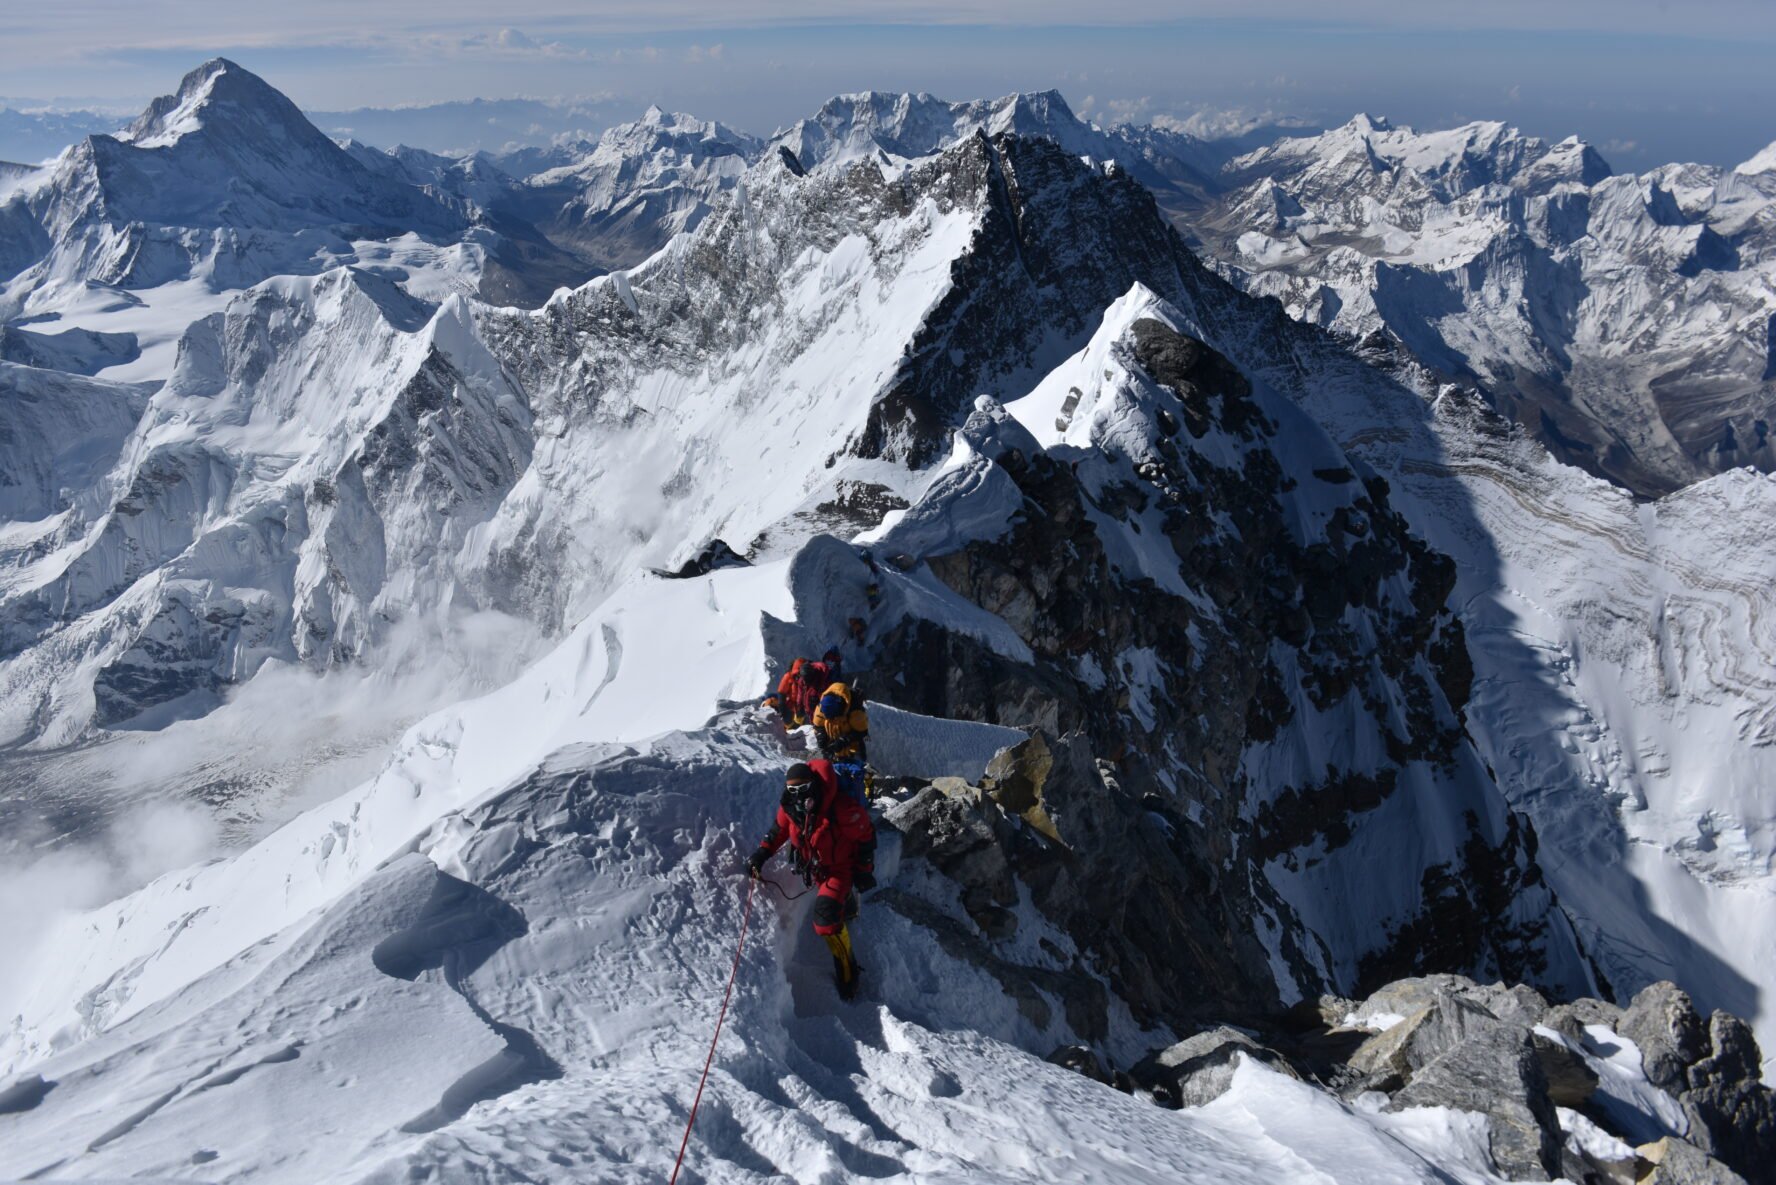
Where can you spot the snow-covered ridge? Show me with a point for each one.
(1532, 270)
(642, 183)
(628, 360)
(539, 888)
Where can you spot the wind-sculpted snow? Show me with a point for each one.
(1624, 320)
(530, 993)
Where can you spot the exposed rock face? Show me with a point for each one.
(1713, 1069)
(1181, 641)
(1663, 1022)
(1461, 1056)
(1733, 1107)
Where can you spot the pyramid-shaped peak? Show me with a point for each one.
(1051, 101)
(219, 93)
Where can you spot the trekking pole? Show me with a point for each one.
(745, 917)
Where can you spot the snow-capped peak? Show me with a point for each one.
(1033, 112)
(1763, 162)
(217, 89)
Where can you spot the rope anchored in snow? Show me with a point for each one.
(745, 917)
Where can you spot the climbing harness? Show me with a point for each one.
(745, 917)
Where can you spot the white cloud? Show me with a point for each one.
(141, 843)
(1128, 110)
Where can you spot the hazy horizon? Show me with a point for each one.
(1643, 83)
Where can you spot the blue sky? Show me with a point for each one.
(1645, 81)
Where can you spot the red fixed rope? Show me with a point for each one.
(745, 917)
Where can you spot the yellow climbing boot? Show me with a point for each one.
(845, 966)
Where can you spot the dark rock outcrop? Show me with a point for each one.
(1672, 1037)
(1133, 820)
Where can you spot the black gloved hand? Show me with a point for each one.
(756, 863)
(864, 879)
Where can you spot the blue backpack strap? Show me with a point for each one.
(851, 780)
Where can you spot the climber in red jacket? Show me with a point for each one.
(832, 844)
(799, 691)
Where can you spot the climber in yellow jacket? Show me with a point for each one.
(841, 725)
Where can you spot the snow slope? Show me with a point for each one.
(1622, 655)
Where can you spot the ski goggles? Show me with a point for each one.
(798, 799)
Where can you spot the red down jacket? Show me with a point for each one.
(841, 842)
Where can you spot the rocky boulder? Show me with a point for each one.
(1672, 1161)
(1199, 1069)
(1015, 778)
(1671, 1035)
(965, 837)
(1519, 1003)
(1571, 1019)
(1493, 1070)
(1081, 1060)
(1451, 1050)
(1713, 1069)
(1732, 1112)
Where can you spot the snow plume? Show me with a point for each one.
(136, 846)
